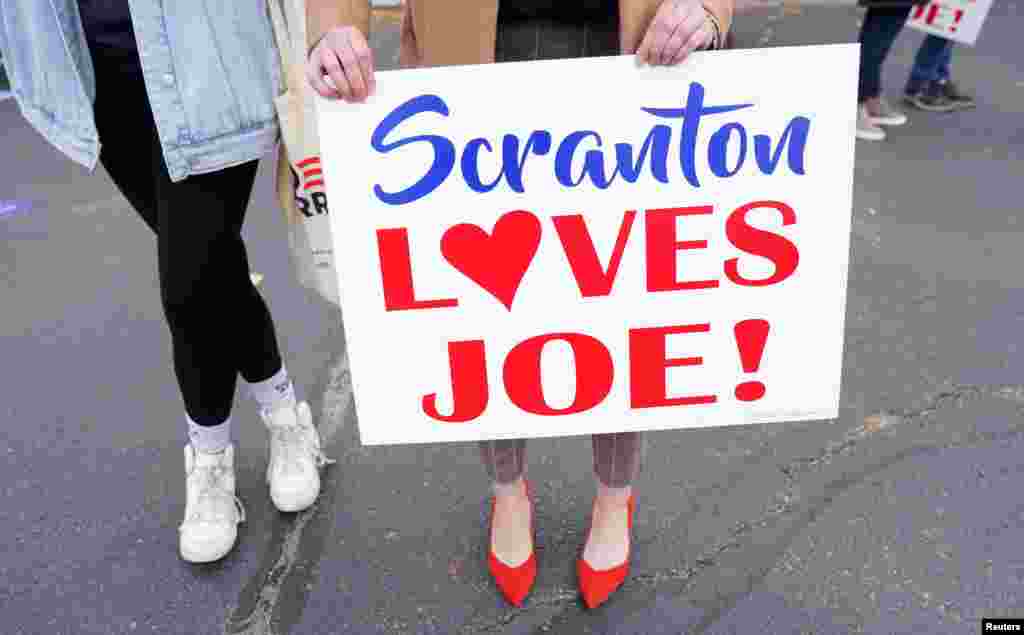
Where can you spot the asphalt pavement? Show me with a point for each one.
(904, 515)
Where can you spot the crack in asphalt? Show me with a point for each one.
(957, 396)
(787, 503)
(818, 505)
(267, 588)
(259, 621)
(563, 601)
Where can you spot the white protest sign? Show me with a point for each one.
(570, 247)
(957, 20)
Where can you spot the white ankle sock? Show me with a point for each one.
(209, 438)
(276, 392)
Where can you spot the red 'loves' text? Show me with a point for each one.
(517, 235)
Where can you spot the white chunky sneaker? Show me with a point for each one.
(212, 510)
(293, 471)
(886, 115)
(867, 128)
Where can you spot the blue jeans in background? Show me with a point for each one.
(931, 63)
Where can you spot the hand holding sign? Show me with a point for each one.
(345, 58)
(679, 28)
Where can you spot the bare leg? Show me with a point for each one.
(511, 538)
(617, 462)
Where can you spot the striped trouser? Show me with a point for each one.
(617, 457)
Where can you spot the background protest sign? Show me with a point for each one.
(570, 247)
(957, 20)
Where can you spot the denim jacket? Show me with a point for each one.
(211, 69)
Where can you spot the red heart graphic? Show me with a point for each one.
(497, 262)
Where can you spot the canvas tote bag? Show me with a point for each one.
(300, 181)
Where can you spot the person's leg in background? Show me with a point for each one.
(922, 90)
(950, 89)
(943, 71)
(878, 32)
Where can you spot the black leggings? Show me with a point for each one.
(877, 34)
(219, 324)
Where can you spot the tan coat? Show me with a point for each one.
(455, 32)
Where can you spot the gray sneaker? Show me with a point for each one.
(886, 115)
(952, 92)
(866, 127)
(931, 98)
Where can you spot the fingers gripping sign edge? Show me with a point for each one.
(352, 66)
(697, 38)
(315, 75)
(333, 70)
(340, 65)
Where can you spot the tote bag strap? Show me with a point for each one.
(296, 15)
(286, 45)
